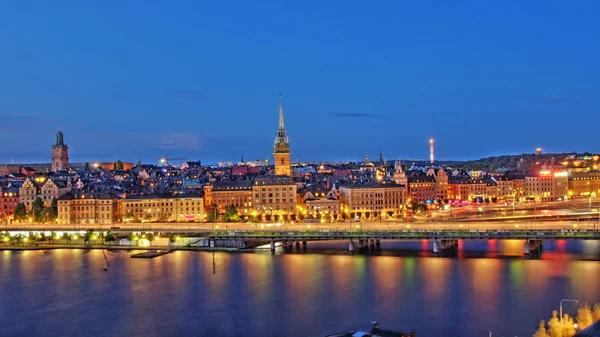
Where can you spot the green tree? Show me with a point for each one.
(584, 316)
(54, 208)
(88, 236)
(119, 165)
(109, 237)
(541, 331)
(172, 237)
(86, 167)
(149, 237)
(115, 166)
(212, 212)
(596, 312)
(20, 211)
(37, 207)
(231, 214)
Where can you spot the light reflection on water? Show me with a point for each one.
(66, 292)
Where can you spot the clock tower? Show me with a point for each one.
(282, 147)
(60, 153)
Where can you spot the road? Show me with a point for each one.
(384, 225)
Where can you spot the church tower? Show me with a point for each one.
(282, 147)
(60, 153)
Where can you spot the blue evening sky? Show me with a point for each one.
(200, 79)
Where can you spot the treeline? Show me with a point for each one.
(586, 316)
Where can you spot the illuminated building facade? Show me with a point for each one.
(547, 186)
(27, 193)
(178, 208)
(372, 201)
(584, 185)
(88, 208)
(274, 198)
(237, 193)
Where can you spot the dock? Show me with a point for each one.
(151, 254)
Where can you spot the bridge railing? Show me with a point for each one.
(407, 234)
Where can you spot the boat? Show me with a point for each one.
(375, 331)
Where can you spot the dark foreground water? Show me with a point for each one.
(313, 293)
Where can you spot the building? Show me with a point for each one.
(372, 201)
(274, 198)
(282, 147)
(9, 198)
(422, 188)
(322, 205)
(237, 193)
(399, 176)
(584, 184)
(165, 208)
(546, 186)
(27, 193)
(60, 154)
(88, 208)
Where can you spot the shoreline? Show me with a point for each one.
(127, 248)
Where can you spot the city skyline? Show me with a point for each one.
(477, 83)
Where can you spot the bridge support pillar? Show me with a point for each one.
(361, 243)
(436, 246)
(378, 242)
(297, 243)
(351, 246)
(527, 247)
(304, 243)
(272, 244)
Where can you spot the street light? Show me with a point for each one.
(561, 313)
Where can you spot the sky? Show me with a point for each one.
(201, 80)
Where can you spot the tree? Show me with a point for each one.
(119, 165)
(584, 316)
(54, 207)
(115, 166)
(172, 237)
(568, 326)
(37, 207)
(109, 237)
(231, 214)
(212, 212)
(596, 312)
(554, 325)
(86, 167)
(20, 211)
(88, 236)
(541, 331)
(149, 237)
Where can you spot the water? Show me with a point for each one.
(66, 292)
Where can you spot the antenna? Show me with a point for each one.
(431, 149)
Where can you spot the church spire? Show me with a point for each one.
(281, 126)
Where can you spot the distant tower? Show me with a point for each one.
(60, 153)
(282, 147)
(431, 148)
(380, 157)
(538, 151)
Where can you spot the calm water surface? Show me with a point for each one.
(298, 293)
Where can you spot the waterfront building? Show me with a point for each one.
(236, 192)
(274, 198)
(322, 205)
(162, 208)
(545, 186)
(372, 200)
(282, 147)
(60, 154)
(27, 193)
(88, 208)
(584, 184)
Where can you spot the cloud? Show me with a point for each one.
(181, 140)
(185, 93)
(354, 115)
(553, 100)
